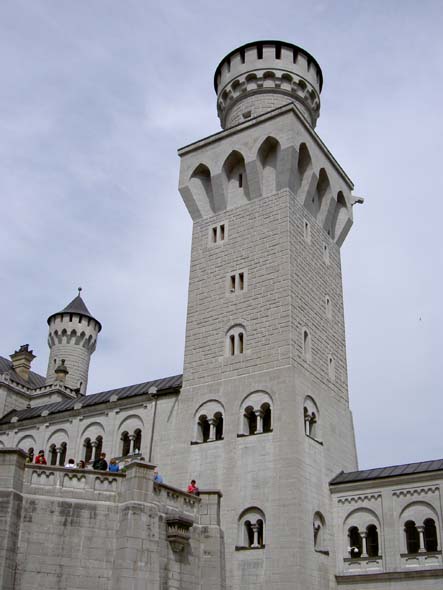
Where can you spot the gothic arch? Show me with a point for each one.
(267, 159)
(200, 184)
(340, 216)
(235, 180)
(57, 437)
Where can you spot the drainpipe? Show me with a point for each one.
(153, 392)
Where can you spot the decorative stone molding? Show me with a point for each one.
(358, 499)
(177, 532)
(415, 492)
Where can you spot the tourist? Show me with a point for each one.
(70, 464)
(113, 466)
(100, 464)
(81, 464)
(157, 477)
(193, 489)
(41, 459)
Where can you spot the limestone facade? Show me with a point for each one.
(261, 412)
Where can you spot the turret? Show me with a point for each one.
(72, 339)
(265, 75)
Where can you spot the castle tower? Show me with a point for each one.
(72, 339)
(264, 406)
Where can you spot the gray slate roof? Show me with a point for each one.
(77, 305)
(35, 380)
(392, 471)
(163, 386)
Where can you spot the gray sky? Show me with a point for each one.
(96, 97)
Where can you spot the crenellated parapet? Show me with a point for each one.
(261, 76)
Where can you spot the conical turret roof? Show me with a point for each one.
(78, 306)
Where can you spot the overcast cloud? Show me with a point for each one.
(95, 99)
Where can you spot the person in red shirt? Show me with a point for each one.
(193, 489)
(41, 459)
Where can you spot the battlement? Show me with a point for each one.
(264, 75)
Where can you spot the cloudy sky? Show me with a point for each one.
(96, 97)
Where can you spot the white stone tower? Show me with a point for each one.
(72, 339)
(265, 400)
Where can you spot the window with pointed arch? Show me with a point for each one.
(251, 529)
(209, 422)
(311, 417)
(235, 340)
(256, 414)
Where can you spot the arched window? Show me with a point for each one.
(311, 418)
(267, 158)
(306, 346)
(372, 540)
(319, 529)
(355, 544)
(251, 529)
(266, 417)
(98, 446)
(218, 417)
(126, 444)
(62, 456)
(52, 454)
(430, 535)
(209, 422)
(88, 449)
(412, 537)
(256, 414)
(235, 180)
(137, 440)
(235, 340)
(204, 428)
(251, 420)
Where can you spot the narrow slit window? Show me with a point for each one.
(307, 231)
(278, 52)
(240, 180)
(232, 283)
(241, 281)
(232, 345)
(214, 234)
(222, 232)
(259, 51)
(240, 343)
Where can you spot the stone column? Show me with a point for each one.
(421, 532)
(255, 529)
(212, 423)
(259, 428)
(364, 543)
(58, 451)
(132, 445)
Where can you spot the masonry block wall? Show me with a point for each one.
(75, 529)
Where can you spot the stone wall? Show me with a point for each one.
(74, 529)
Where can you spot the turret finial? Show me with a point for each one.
(80, 289)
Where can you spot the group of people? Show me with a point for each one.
(99, 464)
